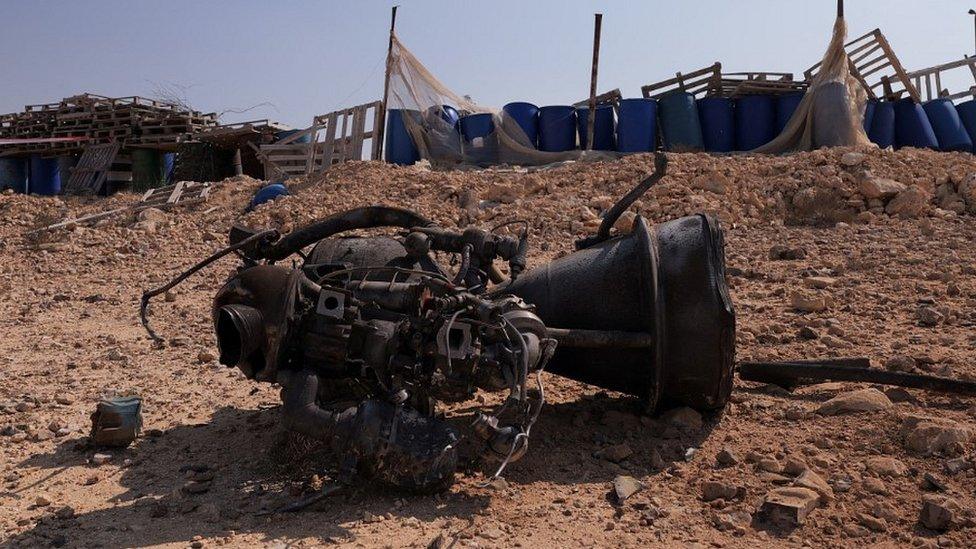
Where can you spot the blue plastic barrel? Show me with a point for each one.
(869, 113)
(446, 113)
(45, 176)
(882, 132)
(13, 173)
(557, 128)
(717, 123)
(637, 125)
(169, 163)
(603, 127)
(680, 124)
(967, 113)
(284, 134)
(400, 148)
(912, 126)
(755, 121)
(948, 127)
(268, 193)
(478, 125)
(526, 115)
(785, 107)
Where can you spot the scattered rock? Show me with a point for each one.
(615, 453)
(101, 459)
(813, 481)
(683, 418)
(876, 187)
(625, 486)
(789, 506)
(900, 363)
(874, 485)
(872, 523)
(726, 457)
(910, 203)
(787, 253)
(712, 181)
(885, 466)
(808, 302)
(851, 159)
(42, 501)
(928, 316)
(863, 400)
(929, 435)
(717, 489)
(938, 512)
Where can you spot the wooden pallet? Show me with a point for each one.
(696, 83)
(931, 77)
(345, 134)
(870, 57)
(735, 84)
(88, 176)
(611, 97)
(182, 193)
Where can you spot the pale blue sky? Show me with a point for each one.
(310, 57)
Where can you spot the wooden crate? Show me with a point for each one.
(697, 83)
(871, 58)
(931, 77)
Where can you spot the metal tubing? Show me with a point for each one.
(775, 372)
(601, 339)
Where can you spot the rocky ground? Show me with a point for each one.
(830, 253)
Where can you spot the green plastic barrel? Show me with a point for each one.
(148, 171)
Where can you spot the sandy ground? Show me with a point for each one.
(897, 290)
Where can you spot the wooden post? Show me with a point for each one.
(379, 132)
(840, 8)
(591, 115)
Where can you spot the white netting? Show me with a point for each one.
(831, 113)
(422, 97)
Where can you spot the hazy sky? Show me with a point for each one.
(312, 57)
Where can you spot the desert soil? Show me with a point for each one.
(879, 261)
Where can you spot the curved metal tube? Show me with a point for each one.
(360, 218)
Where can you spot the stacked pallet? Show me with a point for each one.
(131, 121)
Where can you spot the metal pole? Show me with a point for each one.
(840, 8)
(381, 130)
(591, 115)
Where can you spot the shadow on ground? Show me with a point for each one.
(255, 468)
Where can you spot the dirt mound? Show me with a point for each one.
(826, 258)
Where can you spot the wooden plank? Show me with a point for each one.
(177, 191)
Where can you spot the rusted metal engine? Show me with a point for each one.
(368, 333)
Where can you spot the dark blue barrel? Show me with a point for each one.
(446, 113)
(967, 113)
(400, 148)
(755, 121)
(603, 127)
(948, 127)
(45, 176)
(637, 125)
(680, 124)
(869, 113)
(785, 107)
(912, 126)
(13, 173)
(882, 132)
(288, 133)
(268, 193)
(717, 123)
(526, 115)
(169, 164)
(478, 125)
(557, 128)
